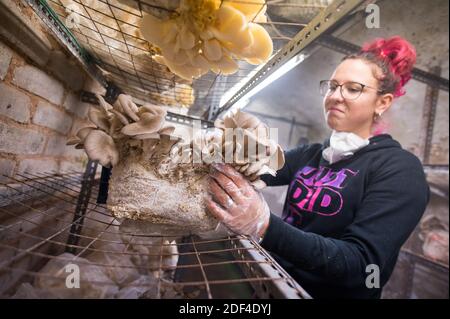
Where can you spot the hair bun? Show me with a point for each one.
(400, 54)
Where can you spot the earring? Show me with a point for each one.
(377, 116)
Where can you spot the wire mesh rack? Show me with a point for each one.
(42, 235)
(107, 32)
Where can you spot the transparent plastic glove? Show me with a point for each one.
(236, 203)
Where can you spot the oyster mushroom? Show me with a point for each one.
(148, 123)
(73, 140)
(262, 47)
(209, 35)
(105, 105)
(186, 72)
(229, 23)
(100, 147)
(245, 140)
(99, 119)
(122, 119)
(246, 121)
(168, 130)
(199, 61)
(79, 137)
(212, 50)
(186, 38)
(153, 109)
(145, 136)
(125, 104)
(116, 125)
(84, 132)
(226, 65)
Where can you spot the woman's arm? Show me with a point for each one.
(393, 204)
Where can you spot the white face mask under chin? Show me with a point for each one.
(343, 145)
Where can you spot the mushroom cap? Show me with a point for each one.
(116, 126)
(246, 141)
(126, 106)
(246, 120)
(212, 50)
(148, 123)
(122, 118)
(153, 109)
(79, 137)
(99, 119)
(226, 65)
(168, 130)
(151, 136)
(262, 48)
(105, 105)
(73, 140)
(100, 147)
(83, 132)
(229, 23)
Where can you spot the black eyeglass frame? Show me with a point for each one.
(341, 85)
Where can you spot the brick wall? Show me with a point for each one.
(37, 114)
(39, 108)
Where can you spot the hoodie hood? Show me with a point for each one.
(376, 142)
(381, 141)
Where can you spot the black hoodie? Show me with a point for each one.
(343, 222)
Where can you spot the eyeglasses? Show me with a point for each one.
(349, 90)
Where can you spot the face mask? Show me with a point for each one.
(343, 145)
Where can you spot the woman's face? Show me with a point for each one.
(357, 115)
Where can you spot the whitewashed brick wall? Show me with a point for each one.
(37, 114)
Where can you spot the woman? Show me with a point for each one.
(353, 201)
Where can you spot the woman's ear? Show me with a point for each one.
(384, 103)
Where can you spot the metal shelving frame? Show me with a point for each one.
(213, 267)
(210, 87)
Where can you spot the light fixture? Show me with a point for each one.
(246, 98)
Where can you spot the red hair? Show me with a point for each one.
(395, 57)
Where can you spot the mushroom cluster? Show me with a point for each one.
(209, 35)
(240, 140)
(255, 153)
(159, 178)
(124, 123)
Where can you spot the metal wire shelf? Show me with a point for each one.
(37, 218)
(106, 31)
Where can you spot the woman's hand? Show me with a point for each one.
(235, 202)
